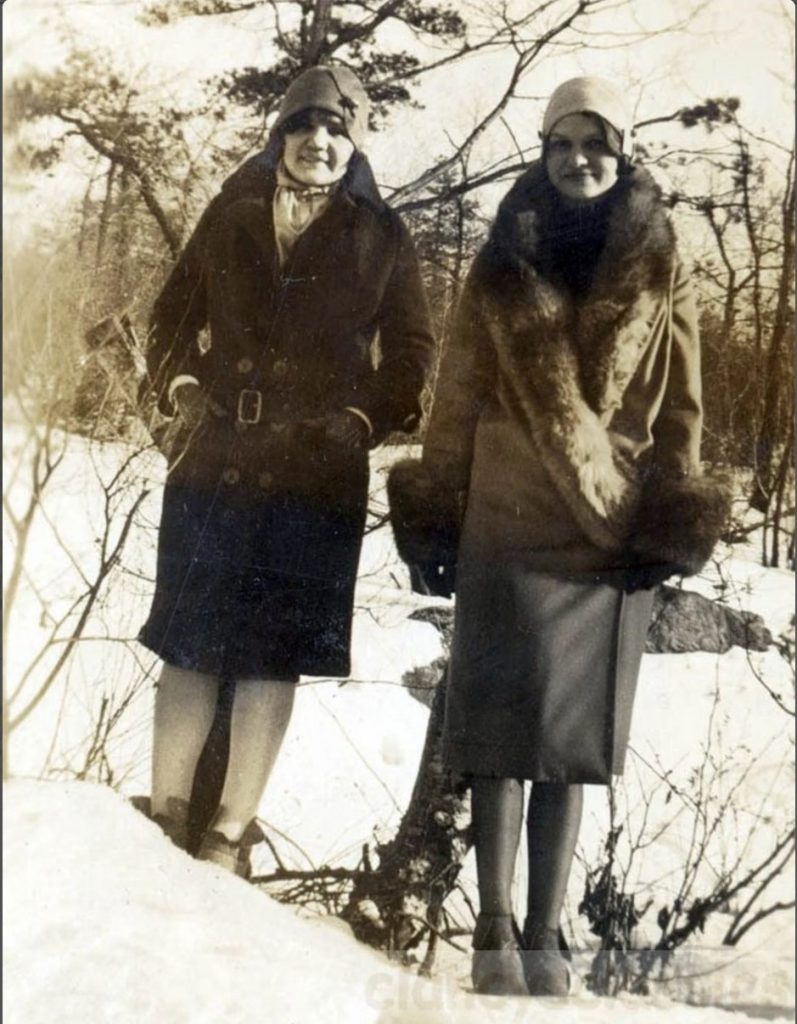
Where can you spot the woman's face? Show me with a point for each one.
(317, 148)
(579, 161)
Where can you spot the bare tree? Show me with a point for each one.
(747, 202)
(721, 869)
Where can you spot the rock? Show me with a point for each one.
(441, 618)
(683, 620)
(422, 681)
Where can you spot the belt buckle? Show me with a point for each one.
(250, 405)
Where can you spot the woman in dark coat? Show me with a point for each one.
(566, 425)
(296, 269)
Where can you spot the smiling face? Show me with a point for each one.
(317, 148)
(580, 163)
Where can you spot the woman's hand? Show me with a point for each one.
(193, 405)
(345, 428)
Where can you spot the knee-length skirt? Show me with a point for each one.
(543, 672)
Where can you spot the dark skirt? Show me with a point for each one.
(259, 586)
(543, 673)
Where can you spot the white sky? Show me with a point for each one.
(727, 47)
(723, 48)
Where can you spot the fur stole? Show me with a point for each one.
(568, 359)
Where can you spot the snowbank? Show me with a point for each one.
(343, 778)
(106, 922)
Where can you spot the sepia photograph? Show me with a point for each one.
(398, 511)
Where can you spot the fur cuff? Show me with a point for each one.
(680, 521)
(425, 517)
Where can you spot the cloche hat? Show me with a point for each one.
(336, 89)
(589, 94)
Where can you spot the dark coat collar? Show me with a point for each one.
(256, 178)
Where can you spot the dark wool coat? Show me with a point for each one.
(262, 523)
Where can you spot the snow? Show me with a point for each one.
(105, 921)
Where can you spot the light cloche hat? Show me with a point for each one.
(589, 94)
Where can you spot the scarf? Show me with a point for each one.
(568, 344)
(296, 206)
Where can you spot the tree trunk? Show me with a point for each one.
(322, 12)
(776, 374)
(395, 905)
(105, 214)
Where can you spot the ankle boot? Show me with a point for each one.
(173, 824)
(545, 968)
(497, 968)
(232, 855)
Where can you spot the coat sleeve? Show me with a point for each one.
(678, 427)
(465, 382)
(179, 314)
(391, 397)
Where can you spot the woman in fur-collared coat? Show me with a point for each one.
(295, 268)
(566, 425)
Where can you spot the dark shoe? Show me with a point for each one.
(545, 968)
(497, 968)
(234, 856)
(173, 824)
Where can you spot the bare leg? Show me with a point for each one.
(260, 714)
(553, 823)
(185, 704)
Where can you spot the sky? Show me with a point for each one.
(721, 47)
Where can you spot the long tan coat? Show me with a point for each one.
(561, 416)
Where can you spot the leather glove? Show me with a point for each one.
(343, 428)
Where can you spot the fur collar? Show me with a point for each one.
(607, 328)
(567, 359)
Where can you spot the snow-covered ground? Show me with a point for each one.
(107, 922)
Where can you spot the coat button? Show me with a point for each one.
(265, 480)
(244, 365)
(280, 368)
(231, 475)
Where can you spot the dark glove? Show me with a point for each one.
(343, 428)
(648, 576)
